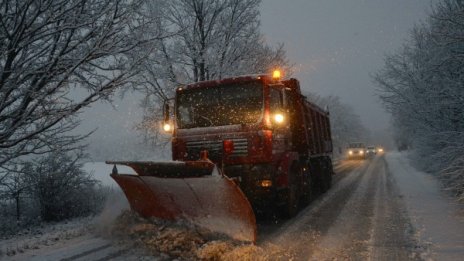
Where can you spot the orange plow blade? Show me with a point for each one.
(194, 191)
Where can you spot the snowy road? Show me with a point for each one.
(361, 217)
(378, 209)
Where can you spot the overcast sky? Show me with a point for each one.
(336, 44)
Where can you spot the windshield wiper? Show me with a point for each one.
(210, 121)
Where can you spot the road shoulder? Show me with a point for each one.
(435, 216)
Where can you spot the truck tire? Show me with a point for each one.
(318, 175)
(326, 175)
(307, 194)
(327, 179)
(291, 206)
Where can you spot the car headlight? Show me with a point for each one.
(350, 152)
(361, 152)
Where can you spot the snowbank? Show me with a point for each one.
(184, 241)
(44, 236)
(438, 218)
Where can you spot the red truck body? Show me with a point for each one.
(263, 132)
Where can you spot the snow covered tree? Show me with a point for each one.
(422, 86)
(15, 188)
(210, 39)
(214, 39)
(60, 186)
(56, 57)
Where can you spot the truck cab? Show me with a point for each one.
(258, 129)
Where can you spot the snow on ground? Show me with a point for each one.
(185, 241)
(46, 236)
(55, 240)
(439, 220)
(377, 188)
(89, 237)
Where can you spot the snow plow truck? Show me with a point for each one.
(239, 145)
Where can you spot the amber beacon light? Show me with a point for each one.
(276, 75)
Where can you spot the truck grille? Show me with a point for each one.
(214, 148)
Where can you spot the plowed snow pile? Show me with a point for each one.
(186, 241)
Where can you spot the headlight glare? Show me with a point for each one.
(279, 118)
(167, 127)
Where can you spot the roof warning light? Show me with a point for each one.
(276, 75)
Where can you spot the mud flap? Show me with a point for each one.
(193, 191)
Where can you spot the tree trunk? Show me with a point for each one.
(18, 207)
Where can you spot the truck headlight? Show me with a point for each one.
(361, 152)
(167, 127)
(350, 152)
(279, 118)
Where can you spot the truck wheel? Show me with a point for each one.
(307, 188)
(326, 177)
(290, 209)
(319, 175)
(291, 206)
(328, 174)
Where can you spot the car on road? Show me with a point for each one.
(371, 151)
(356, 150)
(380, 150)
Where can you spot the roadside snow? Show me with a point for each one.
(46, 236)
(437, 217)
(56, 241)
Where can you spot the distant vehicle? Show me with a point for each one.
(356, 150)
(371, 151)
(380, 149)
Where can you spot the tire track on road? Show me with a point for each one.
(393, 234)
(269, 228)
(86, 253)
(303, 233)
(101, 253)
(348, 235)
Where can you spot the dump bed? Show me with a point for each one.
(318, 128)
(313, 130)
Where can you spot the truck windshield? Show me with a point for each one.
(220, 105)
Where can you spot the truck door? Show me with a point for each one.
(280, 129)
(297, 127)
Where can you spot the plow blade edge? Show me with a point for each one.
(193, 191)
